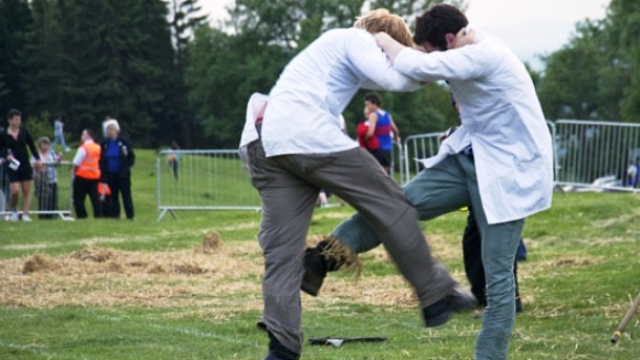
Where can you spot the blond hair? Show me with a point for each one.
(381, 20)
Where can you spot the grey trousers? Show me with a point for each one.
(289, 186)
(447, 187)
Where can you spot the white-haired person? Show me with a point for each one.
(299, 148)
(116, 159)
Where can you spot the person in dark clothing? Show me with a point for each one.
(13, 145)
(381, 126)
(117, 158)
(87, 176)
(473, 267)
(173, 158)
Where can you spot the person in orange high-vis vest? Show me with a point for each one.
(87, 176)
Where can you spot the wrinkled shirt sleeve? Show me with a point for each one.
(371, 61)
(466, 63)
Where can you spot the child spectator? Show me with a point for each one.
(46, 179)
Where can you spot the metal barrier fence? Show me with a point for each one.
(426, 145)
(598, 154)
(396, 170)
(203, 180)
(556, 166)
(51, 192)
(418, 147)
(586, 154)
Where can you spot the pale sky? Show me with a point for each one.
(529, 27)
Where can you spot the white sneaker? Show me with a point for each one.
(14, 216)
(26, 218)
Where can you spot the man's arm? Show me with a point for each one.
(464, 63)
(131, 155)
(79, 158)
(373, 120)
(102, 163)
(34, 151)
(3, 148)
(396, 131)
(367, 58)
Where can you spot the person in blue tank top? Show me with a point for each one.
(381, 126)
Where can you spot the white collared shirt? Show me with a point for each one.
(305, 105)
(501, 118)
(81, 154)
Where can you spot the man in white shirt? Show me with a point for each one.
(503, 131)
(303, 148)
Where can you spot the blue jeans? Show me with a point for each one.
(59, 139)
(447, 187)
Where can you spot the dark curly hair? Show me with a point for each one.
(436, 23)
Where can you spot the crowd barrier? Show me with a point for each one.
(396, 170)
(203, 180)
(587, 154)
(423, 146)
(418, 147)
(51, 192)
(598, 154)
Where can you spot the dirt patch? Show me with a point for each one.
(219, 280)
(212, 243)
(39, 263)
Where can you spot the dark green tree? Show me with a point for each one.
(44, 58)
(223, 71)
(185, 19)
(117, 60)
(15, 23)
(587, 78)
(623, 26)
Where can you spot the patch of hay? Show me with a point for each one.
(39, 263)
(189, 269)
(212, 243)
(214, 285)
(93, 253)
(345, 257)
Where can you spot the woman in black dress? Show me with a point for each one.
(13, 144)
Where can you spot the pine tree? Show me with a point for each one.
(15, 22)
(44, 59)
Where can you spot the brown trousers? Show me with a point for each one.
(289, 186)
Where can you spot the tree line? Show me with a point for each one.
(167, 73)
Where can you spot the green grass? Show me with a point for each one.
(582, 272)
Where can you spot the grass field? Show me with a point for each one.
(110, 289)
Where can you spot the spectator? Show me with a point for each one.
(173, 158)
(382, 127)
(362, 129)
(4, 182)
(46, 179)
(14, 142)
(58, 134)
(474, 268)
(633, 174)
(117, 158)
(87, 176)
